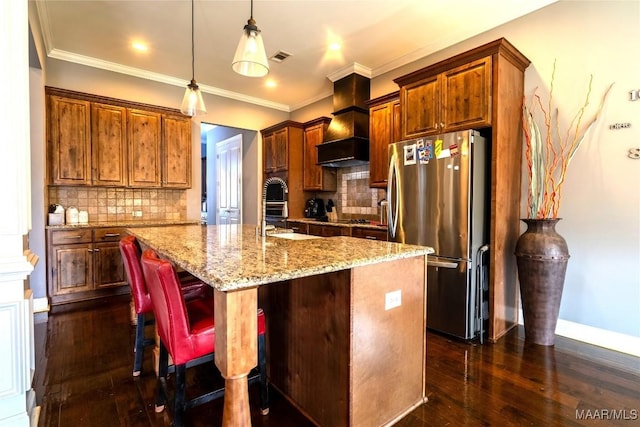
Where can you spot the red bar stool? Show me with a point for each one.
(187, 334)
(192, 288)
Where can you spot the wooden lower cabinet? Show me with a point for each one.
(369, 233)
(298, 227)
(84, 264)
(328, 230)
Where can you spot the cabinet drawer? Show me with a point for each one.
(298, 227)
(108, 234)
(66, 237)
(367, 233)
(328, 230)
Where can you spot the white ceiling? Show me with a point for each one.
(377, 36)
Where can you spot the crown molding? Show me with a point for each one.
(350, 69)
(162, 78)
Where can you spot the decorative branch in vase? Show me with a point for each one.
(542, 254)
(548, 156)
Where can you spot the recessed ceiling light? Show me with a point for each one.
(271, 83)
(335, 46)
(139, 46)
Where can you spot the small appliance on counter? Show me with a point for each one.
(314, 208)
(56, 215)
(72, 215)
(83, 217)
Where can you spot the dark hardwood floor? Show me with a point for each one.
(84, 360)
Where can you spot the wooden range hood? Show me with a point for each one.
(346, 142)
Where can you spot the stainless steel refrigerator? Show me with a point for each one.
(437, 196)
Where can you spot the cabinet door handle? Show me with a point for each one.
(89, 250)
(370, 237)
(73, 237)
(111, 234)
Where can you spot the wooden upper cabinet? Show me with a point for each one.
(466, 96)
(69, 141)
(176, 140)
(455, 99)
(276, 141)
(108, 145)
(268, 155)
(384, 129)
(281, 150)
(144, 134)
(421, 112)
(316, 177)
(94, 140)
(282, 157)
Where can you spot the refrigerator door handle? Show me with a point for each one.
(392, 213)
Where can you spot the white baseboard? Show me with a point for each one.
(40, 305)
(601, 337)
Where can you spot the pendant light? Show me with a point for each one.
(250, 59)
(192, 103)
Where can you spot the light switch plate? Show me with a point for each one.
(392, 299)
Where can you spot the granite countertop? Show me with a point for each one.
(339, 224)
(147, 223)
(233, 257)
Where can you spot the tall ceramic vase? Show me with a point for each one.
(542, 256)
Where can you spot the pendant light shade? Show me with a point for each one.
(250, 59)
(192, 102)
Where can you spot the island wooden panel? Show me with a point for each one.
(336, 353)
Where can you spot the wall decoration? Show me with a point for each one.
(620, 126)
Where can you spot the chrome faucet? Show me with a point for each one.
(285, 212)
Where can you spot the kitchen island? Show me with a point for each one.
(346, 318)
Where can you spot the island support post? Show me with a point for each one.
(236, 350)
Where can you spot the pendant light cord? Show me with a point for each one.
(251, 14)
(193, 54)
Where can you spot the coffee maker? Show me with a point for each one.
(315, 209)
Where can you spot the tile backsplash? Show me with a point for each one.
(354, 198)
(119, 204)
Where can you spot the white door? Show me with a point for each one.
(229, 181)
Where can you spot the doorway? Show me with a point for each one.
(229, 181)
(242, 161)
